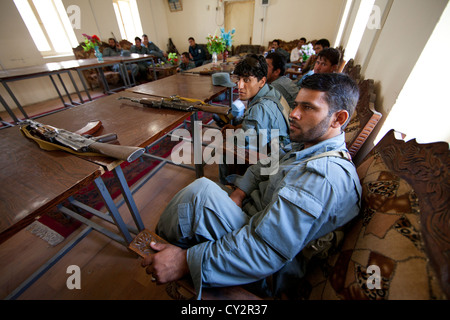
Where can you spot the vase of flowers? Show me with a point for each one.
(93, 42)
(173, 58)
(307, 51)
(215, 45)
(228, 41)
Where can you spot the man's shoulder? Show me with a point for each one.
(284, 81)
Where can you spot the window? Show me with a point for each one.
(362, 17)
(49, 26)
(128, 19)
(343, 22)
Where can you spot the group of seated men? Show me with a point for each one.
(254, 232)
(141, 46)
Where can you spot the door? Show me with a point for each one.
(239, 15)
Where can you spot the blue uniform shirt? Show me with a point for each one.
(285, 211)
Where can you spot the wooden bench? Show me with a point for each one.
(364, 119)
(402, 232)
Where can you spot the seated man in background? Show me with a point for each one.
(142, 65)
(277, 79)
(295, 53)
(113, 50)
(186, 62)
(196, 52)
(264, 108)
(327, 62)
(153, 48)
(276, 48)
(260, 229)
(309, 64)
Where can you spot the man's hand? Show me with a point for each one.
(168, 264)
(238, 196)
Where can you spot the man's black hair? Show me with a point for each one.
(278, 62)
(341, 91)
(137, 38)
(323, 42)
(252, 65)
(331, 54)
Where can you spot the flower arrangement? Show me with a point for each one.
(173, 58)
(227, 38)
(307, 51)
(215, 44)
(90, 42)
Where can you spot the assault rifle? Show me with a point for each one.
(80, 143)
(178, 104)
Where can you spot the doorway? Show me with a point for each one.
(239, 15)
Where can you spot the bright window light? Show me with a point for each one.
(119, 21)
(32, 25)
(348, 5)
(136, 18)
(49, 25)
(66, 23)
(421, 110)
(52, 25)
(128, 18)
(362, 17)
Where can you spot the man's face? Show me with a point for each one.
(309, 121)
(318, 48)
(145, 39)
(184, 59)
(112, 43)
(249, 86)
(275, 45)
(301, 43)
(192, 43)
(271, 75)
(138, 43)
(324, 65)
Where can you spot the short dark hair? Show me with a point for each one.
(252, 65)
(137, 38)
(341, 91)
(191, 38)
(277, 41)
(278, 62)
(323, 42)
(331, 54)
(186, 55)
(302, 38)
(144, 35)
(115, 41)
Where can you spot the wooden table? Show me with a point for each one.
(48, 69)
(185, 85)
(34, 180)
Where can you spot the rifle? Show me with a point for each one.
(178, 104)
(79, 143)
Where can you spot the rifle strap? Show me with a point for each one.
(186, 99)
(49, 146)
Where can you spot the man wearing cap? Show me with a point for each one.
(266, 109)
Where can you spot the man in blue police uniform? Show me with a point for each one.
(260, 229)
